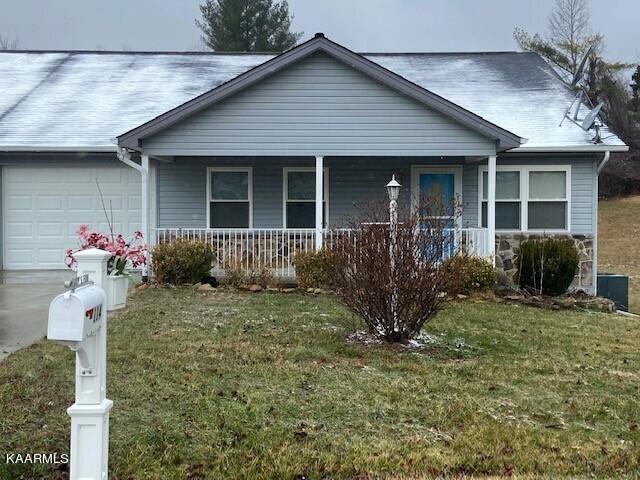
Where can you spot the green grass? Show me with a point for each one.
(266, 386)
(618, 246)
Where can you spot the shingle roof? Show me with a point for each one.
(75, 100)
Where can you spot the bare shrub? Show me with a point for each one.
(263, 277)
(467, 273)
(394, 280)
(236, 276)
(313, 269)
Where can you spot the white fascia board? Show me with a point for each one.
(43, 149)
(577, 149)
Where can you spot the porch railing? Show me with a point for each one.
(258, 248)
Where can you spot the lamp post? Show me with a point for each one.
(393, 190)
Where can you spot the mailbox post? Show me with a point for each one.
(78, 318)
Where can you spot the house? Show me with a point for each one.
(259, 154)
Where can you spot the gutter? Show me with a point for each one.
(576, 149)
(48, 149)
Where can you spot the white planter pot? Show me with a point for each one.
(116, 289)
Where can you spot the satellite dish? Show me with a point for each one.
(578, 75)
(587, 123)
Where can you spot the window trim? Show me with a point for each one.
(524, 195)
(285, 192)
(249, 171)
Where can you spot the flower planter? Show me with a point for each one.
(116, 288)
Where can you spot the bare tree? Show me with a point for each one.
(7, 43)
(569, 37)
(569, 28)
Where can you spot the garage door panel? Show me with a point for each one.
(50, 257)
(79, 175)
(44, 206)
(19, 229)
(51, 203)
(21, 257)
(18, 203)
(135, 202)
(110, 177)
(51, 230)
(81, 203)
(112, 202)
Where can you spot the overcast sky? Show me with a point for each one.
(362, 25)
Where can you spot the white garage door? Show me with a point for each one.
(43, 206)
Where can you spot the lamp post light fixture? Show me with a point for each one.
(393, 190)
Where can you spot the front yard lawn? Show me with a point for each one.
(618, 247)
(237, 385)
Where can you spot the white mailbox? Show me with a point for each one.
(76, 314)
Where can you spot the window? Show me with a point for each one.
(229, 197)
(508, 203)
(300, 197)
(529, 198)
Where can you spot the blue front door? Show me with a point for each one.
(438, 198)
(438, 194)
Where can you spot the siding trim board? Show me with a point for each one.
(503, 138)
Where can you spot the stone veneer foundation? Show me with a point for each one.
(508, 249)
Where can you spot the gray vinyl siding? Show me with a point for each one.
(319, 106)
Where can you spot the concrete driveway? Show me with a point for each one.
(24, 305)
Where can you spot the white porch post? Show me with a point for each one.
(145, 209)
(491, 207)
(319, 191)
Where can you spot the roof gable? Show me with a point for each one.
(318, 106)
(504, 139)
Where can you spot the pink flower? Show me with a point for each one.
(134, 252)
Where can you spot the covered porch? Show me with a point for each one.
(257, 212)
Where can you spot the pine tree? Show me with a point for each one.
(247, 26)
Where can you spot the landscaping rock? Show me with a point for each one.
(142, 287)
(318, 291)
(310, 290)
(273, 289)
(565, 302)
(205, 287)
(596, 303)
(287, 290)
(255, 288)
(197, 285)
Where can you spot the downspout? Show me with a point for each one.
(604, 161)
(599, 169)
(125, 157)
